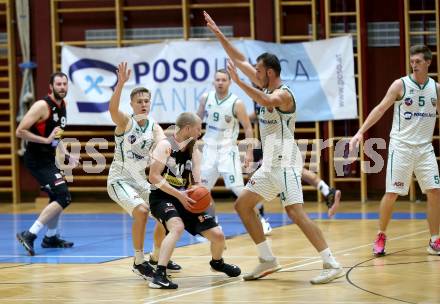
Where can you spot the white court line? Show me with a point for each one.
(129, 256)
(289, 268)
(66, 256)
(238, 256)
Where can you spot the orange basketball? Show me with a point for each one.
(202, 196)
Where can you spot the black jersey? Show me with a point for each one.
(177, 171)
(57, 118)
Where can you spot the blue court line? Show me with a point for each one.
(101, 238)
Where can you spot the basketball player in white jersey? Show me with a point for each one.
(415, 100)
(127, 182)
(332, 196)
(280, 172)
(223, 113)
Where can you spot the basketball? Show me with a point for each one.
(202, 197)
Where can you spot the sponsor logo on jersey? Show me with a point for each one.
(433, 101)
(228, 118)
(398, 184)
(216, 129)
(409, 115)
(411, 91)
(268, 121)
(133, 155)
(421, 114)
(175, 181)
(55, 117)
(408, 101)
(131, 138)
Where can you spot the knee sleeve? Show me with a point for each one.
(62, 195)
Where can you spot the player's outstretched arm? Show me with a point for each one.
(202, 105)
(118, 117)
(279, 98)
(196, 164)
(239, 59)
(394, 93)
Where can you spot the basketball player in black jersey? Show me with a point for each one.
(174, 169)
(42, 127)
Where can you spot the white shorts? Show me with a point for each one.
(283, 181)
(403, 160)
(128, 194)
(225, 162)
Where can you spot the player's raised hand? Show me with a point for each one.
(354, 142)
(123, 72)
(232, 70)
(211, 24)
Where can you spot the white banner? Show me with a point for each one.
(320, 73)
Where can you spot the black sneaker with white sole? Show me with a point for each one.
(229, 269)
(161, 281)
(144, 270)
(27, 239)
(171, 266)
(55, 242)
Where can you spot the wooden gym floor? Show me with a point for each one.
(407, 274)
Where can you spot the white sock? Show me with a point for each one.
(434, 237)
(264, 251)
(155, 253)
(327, 257)
(36, 227)
(139, 256)
(51, 232)
(258, 205)
(324, 188)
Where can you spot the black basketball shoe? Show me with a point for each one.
(230, 269)
(27, 240)
(144, 270)
(55, 242)
(161, 281)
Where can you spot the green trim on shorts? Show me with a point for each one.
(285, 179)
(114, 190)
(392, 156)
(120, 185)
(233, 161)
(296, 178)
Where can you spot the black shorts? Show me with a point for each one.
(46, 173)
(165, 208)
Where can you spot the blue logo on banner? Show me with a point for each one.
(90, 106)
